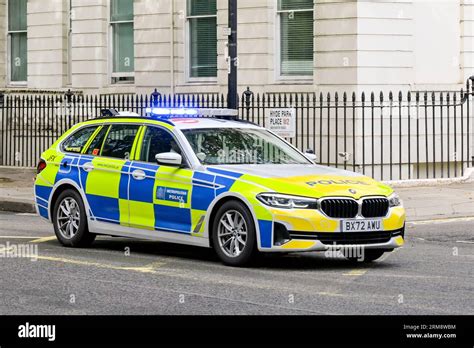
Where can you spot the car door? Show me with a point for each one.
(160, 195)
(107, 179)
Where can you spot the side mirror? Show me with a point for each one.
(170, 159)
(311, 155)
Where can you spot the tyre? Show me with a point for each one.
(368, 256)
(233, 234)
(70, 221)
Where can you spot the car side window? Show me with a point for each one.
(156, 141)
(96, 144)
(76, 142)
(119, 141)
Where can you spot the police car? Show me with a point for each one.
(205, 178)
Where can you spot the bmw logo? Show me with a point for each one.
(353, 191)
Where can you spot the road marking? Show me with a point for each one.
(43, 240)
(26, 214)
(145, 269)
(441, 221)
(355, 273)
(20, 237)
(464, 242)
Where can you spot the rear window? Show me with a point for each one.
(96, 144)
(77, 141)
(119, 141)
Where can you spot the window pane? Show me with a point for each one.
(119, 141)
(297, 43)
(121, 10)
(18, 57)
(96, 144)
(76, 142)
(203, 40)
(157, 141)
(201, 7)
(124, 57)
(295, 4)
(16, 15)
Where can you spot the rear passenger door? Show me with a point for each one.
(160, 195)
(107, 180)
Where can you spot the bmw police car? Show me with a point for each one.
(204, 178)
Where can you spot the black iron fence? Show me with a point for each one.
(390, 137)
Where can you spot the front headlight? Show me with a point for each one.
(277, 200)
(394, 200)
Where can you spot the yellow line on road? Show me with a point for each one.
(145, 269)
(20, 237)
(43, 240)
(355, 273)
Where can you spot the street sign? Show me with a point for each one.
(282, 122)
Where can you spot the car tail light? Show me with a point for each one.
(41, 166)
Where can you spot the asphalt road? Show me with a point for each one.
(432, 274)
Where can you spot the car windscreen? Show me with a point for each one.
(224, 146)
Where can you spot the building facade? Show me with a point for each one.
(135, 46)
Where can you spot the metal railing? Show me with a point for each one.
(399, 136)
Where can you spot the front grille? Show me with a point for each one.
(340, 208)
(340, 238)
(374, 207)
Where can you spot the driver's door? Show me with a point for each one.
(159, 195)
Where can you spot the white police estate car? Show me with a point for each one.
(204, 178)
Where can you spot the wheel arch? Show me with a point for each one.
(62, 186)
(218, 202)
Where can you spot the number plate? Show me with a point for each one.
(361, 225)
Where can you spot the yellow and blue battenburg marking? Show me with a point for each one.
(177, 200)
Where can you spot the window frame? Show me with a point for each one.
(187, 41)
(130, 76)
(186, 163)
(8, 60)
(134, 144)
(278, 32)
(86, 145)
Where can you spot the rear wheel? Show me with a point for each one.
(369, 255)
(233, 234)
(70, 221)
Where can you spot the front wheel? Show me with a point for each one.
(70, 221)
(233, 234)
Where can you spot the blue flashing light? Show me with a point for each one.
(182, 112)
(172, 112)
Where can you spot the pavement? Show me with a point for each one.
(421, 202)
(432, 274)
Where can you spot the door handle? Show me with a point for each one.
(88, 167)
(138, 175)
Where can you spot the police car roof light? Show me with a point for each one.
(192, 113)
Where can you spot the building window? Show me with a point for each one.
(202, 26)
(17, 41)
(123, 55)
(296, 37)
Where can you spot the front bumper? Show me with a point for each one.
(309, 230)
(325, 241)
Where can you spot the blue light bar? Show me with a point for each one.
(171, 112)
(191, 112)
